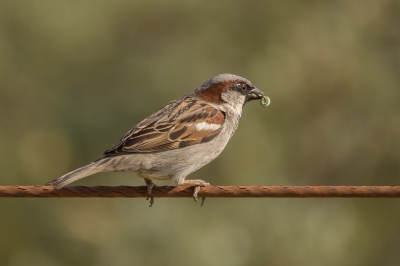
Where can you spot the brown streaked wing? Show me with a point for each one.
(171, 127)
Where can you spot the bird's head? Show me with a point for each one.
(228, 89)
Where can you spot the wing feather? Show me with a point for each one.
(172, 127)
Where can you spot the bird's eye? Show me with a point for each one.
(242, 87)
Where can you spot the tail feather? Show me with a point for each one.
(77, 174)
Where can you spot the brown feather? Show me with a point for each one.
(171, 127)
(213, 92)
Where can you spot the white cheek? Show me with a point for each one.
(207, 127)
(233, 97)
(234, 100)
(238, 108)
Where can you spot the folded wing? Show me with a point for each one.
(181, 123)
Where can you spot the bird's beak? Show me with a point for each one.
(255, 94)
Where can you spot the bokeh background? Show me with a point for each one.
(76, 75)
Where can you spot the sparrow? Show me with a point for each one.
(179, 138)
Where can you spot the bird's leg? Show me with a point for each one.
(196, 183)
(150, 186)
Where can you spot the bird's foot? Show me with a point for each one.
(196, 190)
(150, 186)
(197, 184)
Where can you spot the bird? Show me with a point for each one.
(179, 138)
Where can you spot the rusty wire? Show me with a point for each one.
(210, 192)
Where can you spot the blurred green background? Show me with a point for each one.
(76, 75)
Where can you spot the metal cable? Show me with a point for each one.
(210, 192)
